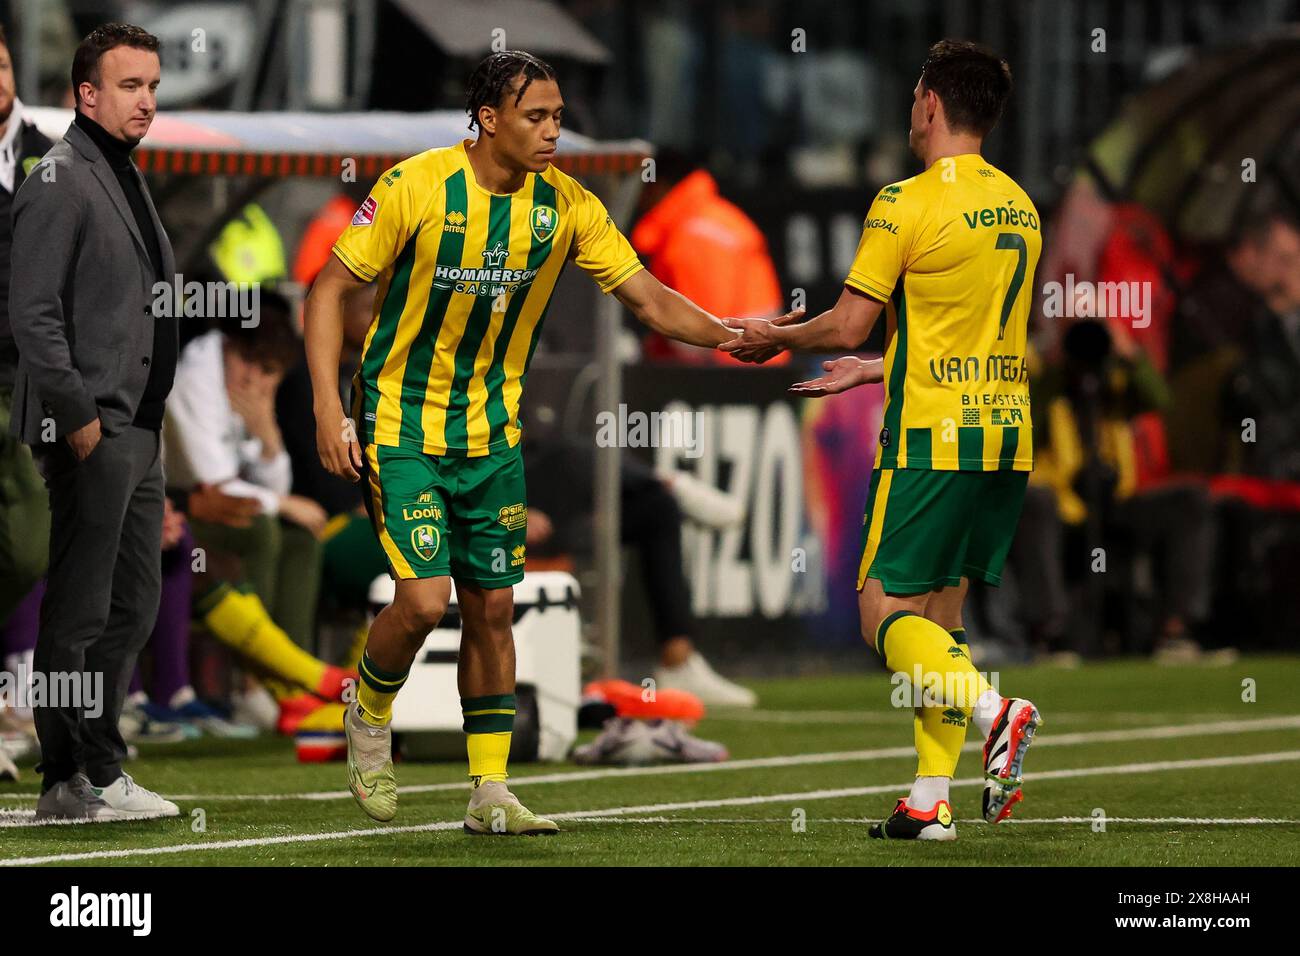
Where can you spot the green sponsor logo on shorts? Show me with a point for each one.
(955, 717)
(513, 517)
(425, 540)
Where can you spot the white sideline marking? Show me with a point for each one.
(791, 760)
(891, 716)
(656, 808)
(1199, 821)
(1203, 821)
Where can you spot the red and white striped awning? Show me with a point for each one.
(274, 145)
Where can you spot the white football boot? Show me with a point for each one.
(1004, 755)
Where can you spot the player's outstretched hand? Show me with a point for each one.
(754, 342)
(337, 446)
(841, 375)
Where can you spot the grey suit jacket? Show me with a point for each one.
(81, 299)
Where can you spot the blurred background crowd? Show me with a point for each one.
(1160, 140)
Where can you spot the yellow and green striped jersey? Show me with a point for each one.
(465, 278)
(952, 253)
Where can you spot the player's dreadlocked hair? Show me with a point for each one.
(972, 81)
(494, 74)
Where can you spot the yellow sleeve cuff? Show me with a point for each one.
(621, 275)
(860, 282)
(356, 268)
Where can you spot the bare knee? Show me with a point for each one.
(869, 627)
(499, 609)
(870, 615)
(945, 606)
(875, 607)
(419, 610)
(487, 615)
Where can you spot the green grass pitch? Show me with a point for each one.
(1181, 742)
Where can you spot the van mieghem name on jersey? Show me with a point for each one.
(997, 368)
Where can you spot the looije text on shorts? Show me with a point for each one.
(207, 300)
(650, 430)
(24, 688)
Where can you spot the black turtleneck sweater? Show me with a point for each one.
(162, 367)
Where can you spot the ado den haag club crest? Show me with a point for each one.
(425, 540)
(543, 220)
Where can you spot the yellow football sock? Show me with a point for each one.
(488, 754)
(241, 623)
(378, 690)
(488, 722)
(922, 650)
(940, 732)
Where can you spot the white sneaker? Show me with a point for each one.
(695, 676)
(255, 707)
(133, 801)
(75, 800)
(17, 735)
(8, 770)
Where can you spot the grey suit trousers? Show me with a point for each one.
(101, 600)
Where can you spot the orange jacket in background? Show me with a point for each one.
(318, 239)
(708, 250)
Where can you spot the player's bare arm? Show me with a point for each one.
(845, 325)
(671, 314)
(336, 442)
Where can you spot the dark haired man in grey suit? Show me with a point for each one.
(97, 353)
